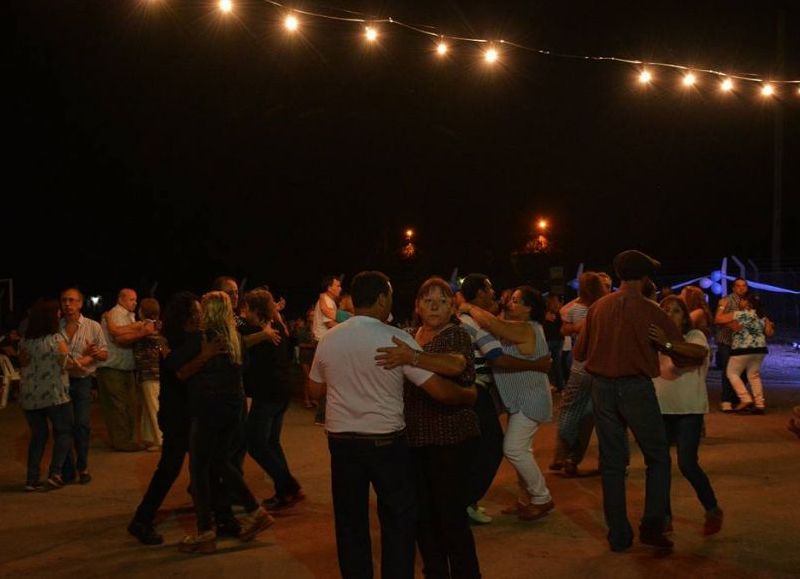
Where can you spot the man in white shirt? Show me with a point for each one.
(366, 431)
(87, 346)
(116, 377)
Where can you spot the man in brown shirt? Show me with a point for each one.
(618, 343)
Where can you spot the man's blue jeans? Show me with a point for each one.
(619, 404)
(80, 391)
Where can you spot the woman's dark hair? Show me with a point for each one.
(150, 308)
(367, 286)
(696, 300)
(327, 282)
(43, 319)
(261, 303)
(590, 287)
(687, 319)
(179, 311)
(535, 301)
(755, 302)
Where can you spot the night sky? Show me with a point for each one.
(169, 144)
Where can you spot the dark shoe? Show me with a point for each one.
(570, 469)
(145, 532)
(204, 543)
(230, 528)
(32, 486)
(620, 547)
(276, 503)
(533, 512)
(84, 478)
(713, 524)
(742, 406)
(256, 522)
(556, 465)
(655, 539)
(760, 410)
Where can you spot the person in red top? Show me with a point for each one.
(620, 341)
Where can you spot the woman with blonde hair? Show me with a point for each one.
(215, 400)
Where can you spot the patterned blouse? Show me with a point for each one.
(431, 423)
(147, 353)
(45, 381)
(750, 339)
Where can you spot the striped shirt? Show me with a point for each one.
(88, 333)
(527, 392)
(486, 347)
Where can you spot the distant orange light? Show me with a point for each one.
(409, 233)
(542, 224)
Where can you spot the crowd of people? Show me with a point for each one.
(413, 413)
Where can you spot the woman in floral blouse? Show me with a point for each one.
(748, 350)
(44, 392)
(442, 438)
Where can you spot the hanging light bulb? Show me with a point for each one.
(768, 90)
(371, 34)
(291, 23)
(491, 55)
(727, 85)
(645, 77)
(226, 6)
(689, 79)
(441, 48)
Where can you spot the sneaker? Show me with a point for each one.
(476, 515)
(533, 512)
(32, 486)
(256, 522)
(84, 478)
(55, 482)
(145, 533)
(760, 410)
(713, 524)
(204, 543)
(726, 407)
(276, 503)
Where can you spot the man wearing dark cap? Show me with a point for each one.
(620, 342)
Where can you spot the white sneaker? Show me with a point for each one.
(477, 516)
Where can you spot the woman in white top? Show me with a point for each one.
(683, 398)
(44, 392)
(525, 395)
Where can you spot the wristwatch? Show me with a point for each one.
(668, 346)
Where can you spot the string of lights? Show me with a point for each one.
(493, 53)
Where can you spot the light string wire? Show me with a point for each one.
(433, 31)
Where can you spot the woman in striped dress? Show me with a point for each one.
(525, 395)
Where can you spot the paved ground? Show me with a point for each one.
(753, 462)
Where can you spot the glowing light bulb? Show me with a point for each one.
(225, 5)
(371, 34)
(291, 23)
(768, 90)
(441, 48)
(491, 56)
(727, 85)
(689, 79)
(542, 224)
(645, 77)
(409, 233)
